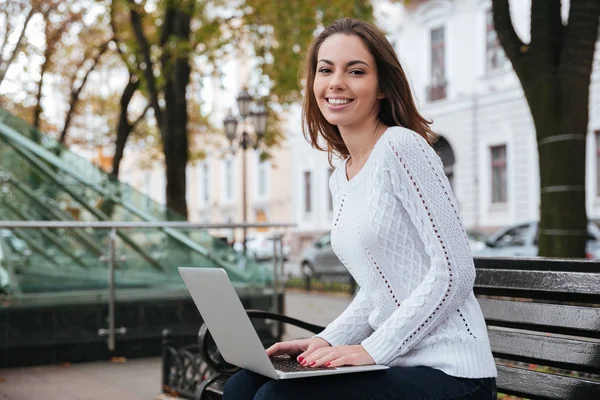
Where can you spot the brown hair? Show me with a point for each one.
(397, 108)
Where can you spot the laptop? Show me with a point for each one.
(234, 334)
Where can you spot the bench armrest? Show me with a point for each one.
(283, 318)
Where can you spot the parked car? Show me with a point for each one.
(319, 260)
(261, 248)
(521, 241)
(476, 241)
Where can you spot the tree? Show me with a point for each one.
(83, 68)
(57, 22)
(13, 27)
(554, 70)
(161, 49)
(162, 63)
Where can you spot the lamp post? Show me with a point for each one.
(257, 113)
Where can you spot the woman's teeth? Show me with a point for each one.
(338, 102)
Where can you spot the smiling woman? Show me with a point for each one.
(398, 232)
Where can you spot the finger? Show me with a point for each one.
(306, 353)
(281, 348)
(339, 362)
(326, 360)
(274, 350)
(317, 354)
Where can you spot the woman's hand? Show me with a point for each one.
(338, 356)
(300, 348)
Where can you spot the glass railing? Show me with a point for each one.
(51, 261)
(40, 180)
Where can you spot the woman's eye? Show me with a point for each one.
(324, 70)
(357, 72)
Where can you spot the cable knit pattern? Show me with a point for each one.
(398, 231)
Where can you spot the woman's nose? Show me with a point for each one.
(336, 82)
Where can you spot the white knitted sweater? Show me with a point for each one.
(397, 229)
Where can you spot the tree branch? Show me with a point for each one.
(7, 27)
(75, 92)
(546, 32)
(5, 65)
(124, 127)
(580, 37)
(141, 117)
(507, 36)
(136, 22)
(516, 51)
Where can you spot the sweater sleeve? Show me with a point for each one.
(352, 325)
(416, 178)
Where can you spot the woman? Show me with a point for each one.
(398, 231)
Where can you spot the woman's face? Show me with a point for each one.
(346, 83)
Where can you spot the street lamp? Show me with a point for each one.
(257, 112)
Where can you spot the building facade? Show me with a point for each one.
(463, 82)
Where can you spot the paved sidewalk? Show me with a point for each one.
(139, 379)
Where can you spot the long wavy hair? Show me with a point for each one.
(396, 109)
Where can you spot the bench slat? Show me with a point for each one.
(541, 316)
(540, 385)
(552, 351)
(538, 264)
(539, 281)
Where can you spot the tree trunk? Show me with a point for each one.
(554, 71)
(561, 122)
(173, 118)
(175, 140)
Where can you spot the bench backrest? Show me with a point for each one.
(543, 320)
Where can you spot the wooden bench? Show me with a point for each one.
(543, 321)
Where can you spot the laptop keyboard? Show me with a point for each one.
(287, 364)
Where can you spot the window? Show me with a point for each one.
(443, 148)
(597, 135)
(329, 197)
(437, 89)
(499, 184)
(228, 179)
(263, 170)
(494, 53)
(205, 182)
(307, 193)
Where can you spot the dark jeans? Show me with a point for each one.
(402, 383)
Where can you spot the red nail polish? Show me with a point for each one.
(300, 359)
(312, 363)
(303, 362)
(328, 364)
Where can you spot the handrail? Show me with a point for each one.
(140, 224)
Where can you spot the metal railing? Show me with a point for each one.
(111, 258)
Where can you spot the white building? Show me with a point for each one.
(463, 82)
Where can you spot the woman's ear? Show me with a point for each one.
(381, 95)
